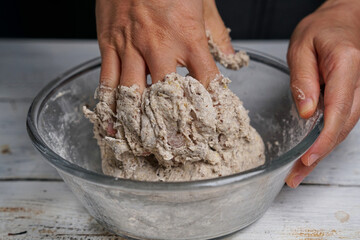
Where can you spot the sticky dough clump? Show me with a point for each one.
(176, 131)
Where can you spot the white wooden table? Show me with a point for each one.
(36, 204)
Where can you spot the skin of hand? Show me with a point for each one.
(325, 49)
(215, 24)
(140, 37)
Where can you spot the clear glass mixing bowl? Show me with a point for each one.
(183, 210)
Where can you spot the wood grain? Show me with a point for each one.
(21, 161)
(48, 210)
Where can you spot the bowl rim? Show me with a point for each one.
(67, 167)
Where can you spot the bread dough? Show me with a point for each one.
(176, 131)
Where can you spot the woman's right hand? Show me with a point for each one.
(152, 36)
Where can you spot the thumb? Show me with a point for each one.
(304, 78)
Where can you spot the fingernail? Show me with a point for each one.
(306, 106)
(312, 158)
(297, 179)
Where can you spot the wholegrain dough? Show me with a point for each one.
(177, 131)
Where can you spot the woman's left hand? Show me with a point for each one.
(325, 49)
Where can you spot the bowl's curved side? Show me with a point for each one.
(100, 179)
(188, 214)
(182, 210)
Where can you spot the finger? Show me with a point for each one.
(338, 99)
(354, 115)
(109, 80)
(110, 68)
(109, 76)
(299, 172)
(133, 70)
(201, 66)
(304, 78)
(159, 65)
(215, 24)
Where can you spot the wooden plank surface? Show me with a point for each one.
(48, 210)
(26, 66)
(44, 210)
(21, 160)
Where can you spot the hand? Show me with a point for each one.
(155, 36)
(325, 49)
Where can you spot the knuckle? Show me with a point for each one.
(329, 138)
(301, 78)
(342, 108)
(109, 39)
(198, 48)
(349, 51)
(105, 80)
(200, 39)
(192, 33)
(306, 21)
(191, 26)
(298, 49)
(161, 35)
(152, 51)
(343, 134)
(302, 26)
(341, 57)
(293, 50)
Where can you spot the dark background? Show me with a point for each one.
(248, 19)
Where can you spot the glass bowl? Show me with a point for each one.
(201, 209)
